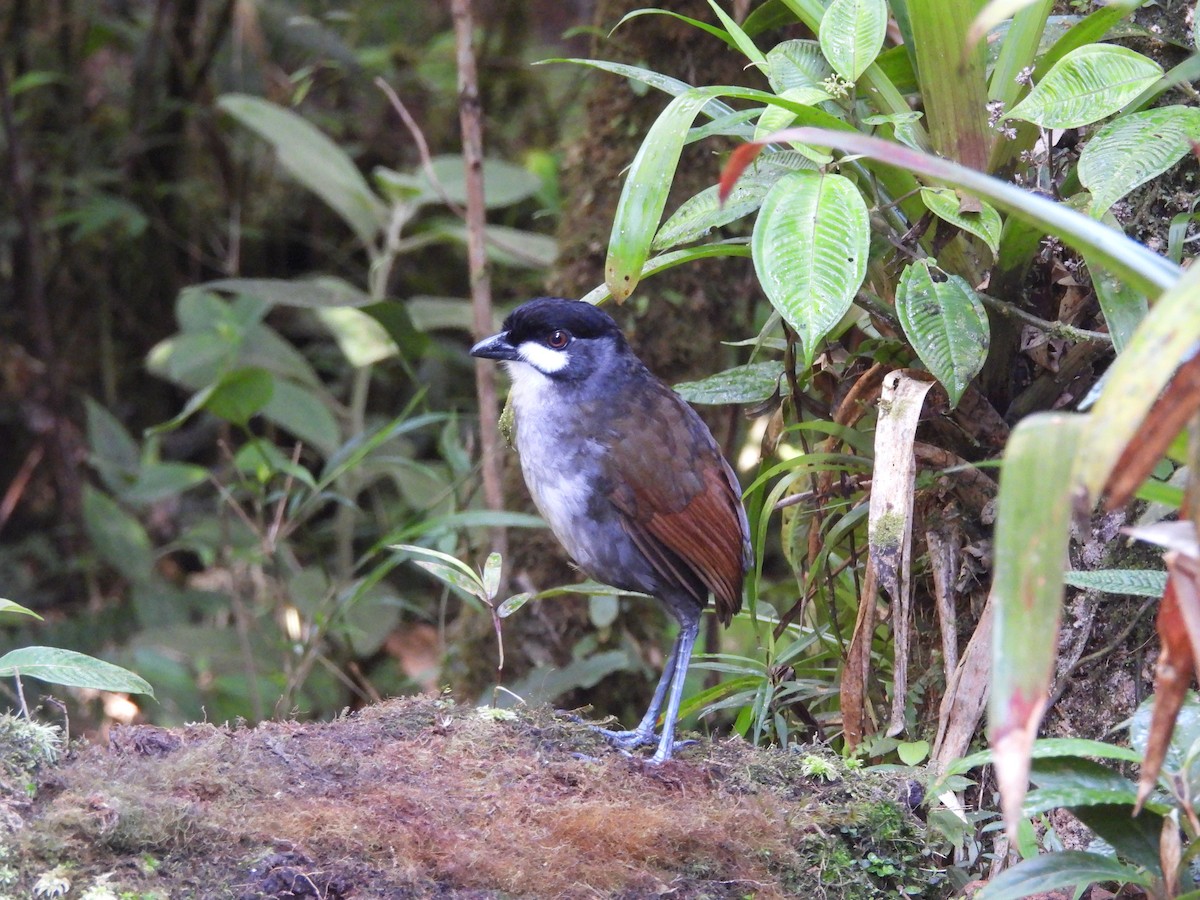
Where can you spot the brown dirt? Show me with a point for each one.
(425, 798)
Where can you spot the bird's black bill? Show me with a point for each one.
(495, 347)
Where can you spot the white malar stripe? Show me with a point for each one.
(543, 358)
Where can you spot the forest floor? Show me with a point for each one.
(422, 797)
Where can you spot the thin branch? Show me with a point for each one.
(1054, 329)
(481, 291)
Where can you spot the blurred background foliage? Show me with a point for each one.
(232, 320)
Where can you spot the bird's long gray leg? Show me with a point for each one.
(644, 733)
(683, 653)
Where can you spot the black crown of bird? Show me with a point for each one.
(628, 477)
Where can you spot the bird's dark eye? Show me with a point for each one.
(558, 339)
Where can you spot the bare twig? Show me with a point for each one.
(481, 293)
(418, 137)
(1054, 329)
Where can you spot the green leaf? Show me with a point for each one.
(157, 481)
(470, 584)
(491, 574)
(504, 183)
(1089, 83)
(362, 340)
(716, 32)
(946, 323)
(699, 215)
(118, 537)
(1067, 868)
(1134, 148)
(263, 460)
(313, 160)
(751, 383)
(303, 292)
(912, 753)
(1123, 305)
(603, 609)
(1131, 582)
(739, 37)
(72, 669)
(513, 603)
(300, 410)
(1130, 260)
(1135, 838)
(810, 248)
(852, 34)
(1068, 782)
(733, 247)
(796, 64)
(1033, 528)
(644, 194)
(1165, 339)
(775, 117)
(1183, 737)
(985, 224)
(7, 606)
(241, 394)
(113, 453)
(398, 324)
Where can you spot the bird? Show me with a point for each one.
(628, 477)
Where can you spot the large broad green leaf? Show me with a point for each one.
(985, 224)
(1067, 868)
(1086, 85)
(946, 323)
(810, 248)
(851, 35)
(1033, 528)
(72, 669)
(314, 160)
(751, 383)
(1133, 149)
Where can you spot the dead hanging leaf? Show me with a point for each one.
(889, 527)
(1178, 402)
(1179, 633)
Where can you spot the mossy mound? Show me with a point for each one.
(424, 798)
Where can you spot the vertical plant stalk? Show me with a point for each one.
(30, 283)
(470, 120)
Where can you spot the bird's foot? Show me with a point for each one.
(626, 740)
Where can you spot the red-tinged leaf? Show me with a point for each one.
(737, 163)
(1173, 672)
(1032, 533)
(1178, 402)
